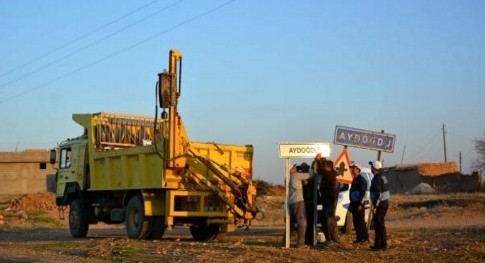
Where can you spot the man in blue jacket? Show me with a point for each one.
(358, 190)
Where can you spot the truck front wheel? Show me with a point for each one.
(137, 224)
(78, 219)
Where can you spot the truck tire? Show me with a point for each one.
(157, 228)
(203, 232)
(78, 219)
(348, 223)
(137, 224)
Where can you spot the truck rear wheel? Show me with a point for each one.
(138, 226)
(203, 232)
(78, 219)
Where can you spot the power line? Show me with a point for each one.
(77, 39)
(119, 51)
(459, 136)
(88, 45)
(431, 142)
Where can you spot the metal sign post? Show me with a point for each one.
(297, 150)
(287, 204)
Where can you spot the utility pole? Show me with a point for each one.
(379, 152)
(402, 157)
(444, 142)
(460, 162)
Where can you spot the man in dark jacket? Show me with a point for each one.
(379, 195)
(329, 196)
(309, 199)
(358, 190)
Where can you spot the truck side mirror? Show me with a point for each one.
(53, 156)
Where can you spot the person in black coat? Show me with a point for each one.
(379, 195)
(329, 195)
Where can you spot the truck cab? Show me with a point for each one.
(72, 169)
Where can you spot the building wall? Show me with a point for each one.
(403, 181)
(24, 172)
(442, 178)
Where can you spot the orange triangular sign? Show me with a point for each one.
(342, 164)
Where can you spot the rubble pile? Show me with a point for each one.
(33, 202)
(15, 210)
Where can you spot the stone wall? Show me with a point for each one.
(24, 172)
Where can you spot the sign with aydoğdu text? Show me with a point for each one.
(377, 141)
(303, 150)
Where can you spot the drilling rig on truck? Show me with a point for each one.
(145, 172)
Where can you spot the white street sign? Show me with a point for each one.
(303, 150)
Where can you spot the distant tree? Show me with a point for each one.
(480, 149)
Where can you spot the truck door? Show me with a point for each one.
(71, 167)
(65, 173)
(79, 154)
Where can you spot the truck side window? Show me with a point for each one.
(65, 161)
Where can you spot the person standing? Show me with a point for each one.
(357, 193)
(379, 195)
(309, 199)
(297, 204)
(329, 196)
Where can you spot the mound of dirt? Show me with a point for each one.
(33, 202)
(423, 188)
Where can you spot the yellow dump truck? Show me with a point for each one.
(146, 173)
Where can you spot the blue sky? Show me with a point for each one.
(255, 72)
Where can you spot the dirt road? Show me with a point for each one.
(420, 229)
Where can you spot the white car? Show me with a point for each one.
(342, 213)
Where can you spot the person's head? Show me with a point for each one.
(329, 165)
(319, 165)
(355, 169)
(376, 166)
(304, 168)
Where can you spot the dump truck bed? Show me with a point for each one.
(120, 161)
(141, 167)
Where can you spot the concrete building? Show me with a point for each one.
(24, 172)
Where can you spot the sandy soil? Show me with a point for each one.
(425, 228)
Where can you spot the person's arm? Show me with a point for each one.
(302, 176)
(362, 189)
(379, 189)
